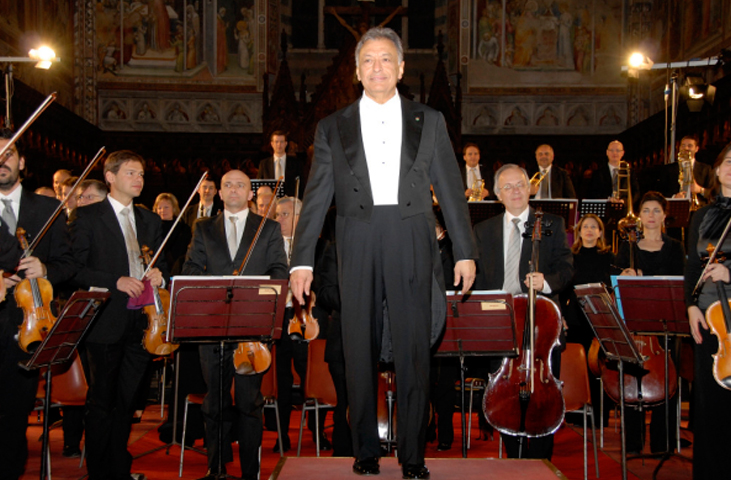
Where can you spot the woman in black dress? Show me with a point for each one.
(711, 402)
(656, 254)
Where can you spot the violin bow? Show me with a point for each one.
(245, 262)
(63, 203)
(43, 106)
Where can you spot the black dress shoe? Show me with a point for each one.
(285, 445)
(367, 466)
(325, 445)
(415, 471)
(71, 451)
(212, 474)
(443, 447)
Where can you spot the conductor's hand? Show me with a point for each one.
(131, 286)
(299, 282)
(464, 271)
(697, 321)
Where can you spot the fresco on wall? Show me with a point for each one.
(545, 42)
(161, 38)
(695, 26)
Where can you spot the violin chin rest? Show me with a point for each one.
(726, 383)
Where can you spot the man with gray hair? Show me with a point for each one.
(378, 158)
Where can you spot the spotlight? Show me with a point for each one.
(44, 55)
(697, 92)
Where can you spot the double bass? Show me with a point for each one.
(523, 398)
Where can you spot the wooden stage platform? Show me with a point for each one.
(310, 468)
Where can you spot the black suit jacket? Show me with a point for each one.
(101, 256)
(54, 250)
(294, 168)
(487, 175)
(340, 169)
(208, 252)
(561, 184)
(600, 184)
(667, 182)
(191, 214)
(556, 260)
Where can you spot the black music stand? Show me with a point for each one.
(225, 309)
(566, 208)
(58, 347)
(614, 338)
(271, 183)
(480, 323)
(656, 306)
(485, 209)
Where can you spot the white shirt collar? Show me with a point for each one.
(523, 218)
(14, 196)
(392, 105)
(117, 205)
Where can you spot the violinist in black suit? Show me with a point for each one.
(218, 247)
(504, 268)
(51, 259)
(556, 183)
(208, 204)
(378, 157)
(280, 164)
(107, 237)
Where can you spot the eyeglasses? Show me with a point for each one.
(508, 186)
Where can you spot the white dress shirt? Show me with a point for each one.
(14, 198)
(381, 127)
(243, 215)
(507, 229)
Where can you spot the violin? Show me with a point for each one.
(718, 318)
(155, 337)
(524, 398)
(33, 296)
(303, 326)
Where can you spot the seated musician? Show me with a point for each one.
(106, 240)
(712, 417)
(506, 268)
(655, 254)
(51, 259)
(218, 247)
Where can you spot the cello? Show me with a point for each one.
(523, 398)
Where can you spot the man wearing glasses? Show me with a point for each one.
(506, 267)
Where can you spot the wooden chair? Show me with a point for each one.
(319, 389)
(576, 393)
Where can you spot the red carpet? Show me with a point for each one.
(567, 458)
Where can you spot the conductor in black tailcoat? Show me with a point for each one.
(378, 157)
(219, 248)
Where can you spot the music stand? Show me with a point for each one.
(58, 347)
(480, 323)
(678, 214)
(566, 208)
(485, 209)
(225, 309)
(656, 306)
(271, 183)
(614, 338)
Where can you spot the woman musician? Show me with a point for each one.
(712, 420)
(655, 254)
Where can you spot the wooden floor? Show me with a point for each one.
(163, 465)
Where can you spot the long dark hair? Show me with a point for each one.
(715, 184)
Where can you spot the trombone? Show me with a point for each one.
(686, 179)
(623, 176)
